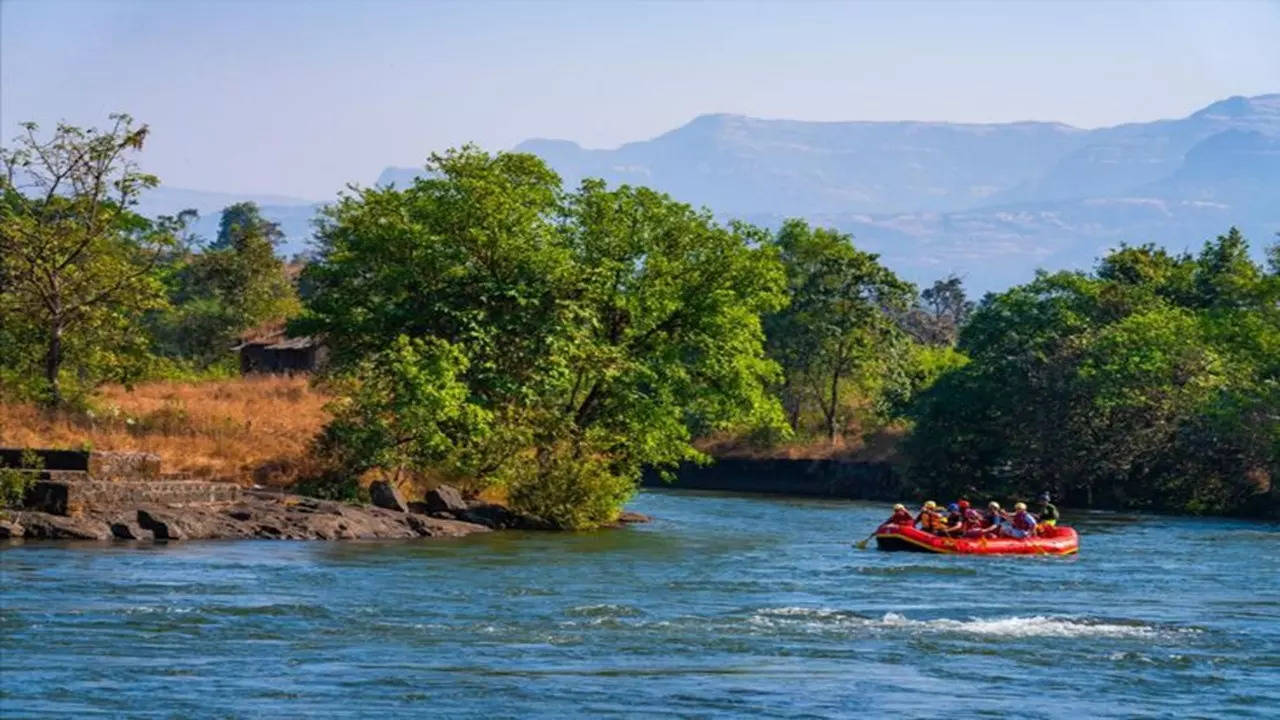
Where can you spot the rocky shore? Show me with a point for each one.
(276, 516)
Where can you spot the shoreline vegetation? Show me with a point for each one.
(491, 329)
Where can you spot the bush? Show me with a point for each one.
(14, 482)
(570, 491)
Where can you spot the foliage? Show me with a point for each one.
(943, 308)
(839, 327)
(76, 263)
(14, 482)
(1150, 383)
(595, 331)
(234, 285)
(405, 408)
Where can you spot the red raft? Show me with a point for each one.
(1053, 541)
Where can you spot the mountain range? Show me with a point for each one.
(990, 202)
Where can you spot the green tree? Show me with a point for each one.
(236, 284)
(942, 309)
(840, 323)
(78, 264)
(601, 330)
(1150, 383)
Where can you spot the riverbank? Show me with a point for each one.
(256, 514)
(876, 481)
(266, 515)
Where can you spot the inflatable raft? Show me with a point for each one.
(1055, 541)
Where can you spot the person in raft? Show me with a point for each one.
(975, 525)
(1022, 524)
(1047, 511)
(930, 518)
(901, 516)
(954, 526)
(992, 523)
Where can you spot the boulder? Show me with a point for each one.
(501, 517)
(445, 498)
(385, 495)
(11, 529)
(46, 526)
(633, 518)
(126, 529)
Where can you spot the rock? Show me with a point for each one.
(633, 518)
(445, 498)
(11, 529)
(44, 525)
(186, 523)
(385, 495)
(162, 526)
(501, 517)
(126, 529)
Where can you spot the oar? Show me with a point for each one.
(862, 544)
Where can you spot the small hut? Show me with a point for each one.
(271, 350)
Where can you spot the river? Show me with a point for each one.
(724, 606)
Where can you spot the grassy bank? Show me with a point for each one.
(251, 429)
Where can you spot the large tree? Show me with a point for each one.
(840, 323)
(595, 331)
(77, 262)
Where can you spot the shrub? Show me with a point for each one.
(14, 482)
(570, 491)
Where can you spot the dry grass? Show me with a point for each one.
(252, 429)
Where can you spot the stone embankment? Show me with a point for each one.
(124, 496)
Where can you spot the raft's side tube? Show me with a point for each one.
(1060, 540)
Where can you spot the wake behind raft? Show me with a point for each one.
(1052, 541)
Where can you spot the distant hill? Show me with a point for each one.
(293, 214)
(991, 202)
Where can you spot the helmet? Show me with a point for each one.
(993, 505)
(953, 507)
(899, 506)
(963, 504)
(1020, 506)
(1044, 497)
(930, 504)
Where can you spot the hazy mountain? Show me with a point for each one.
(293, 214)
(991, 202)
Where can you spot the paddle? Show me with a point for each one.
(862, 544)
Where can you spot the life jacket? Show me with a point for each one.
(932, 521)
(902, 517)
(973, 519)
(1024, 521)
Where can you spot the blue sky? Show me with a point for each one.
(300, 98)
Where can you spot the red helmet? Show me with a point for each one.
(964, 504)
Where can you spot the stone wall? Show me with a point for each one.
(98, 465)
(780, 476)
(61, 497)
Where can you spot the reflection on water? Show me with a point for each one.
(725, 606)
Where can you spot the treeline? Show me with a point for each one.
(490, 327)
(92, 292)
(1152, 382)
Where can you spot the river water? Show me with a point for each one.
(724, 606)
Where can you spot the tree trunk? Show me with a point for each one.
(53, 365)
(833, 430)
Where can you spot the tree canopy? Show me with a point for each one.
(76, 262)
(1149, 383)
(596, 331)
